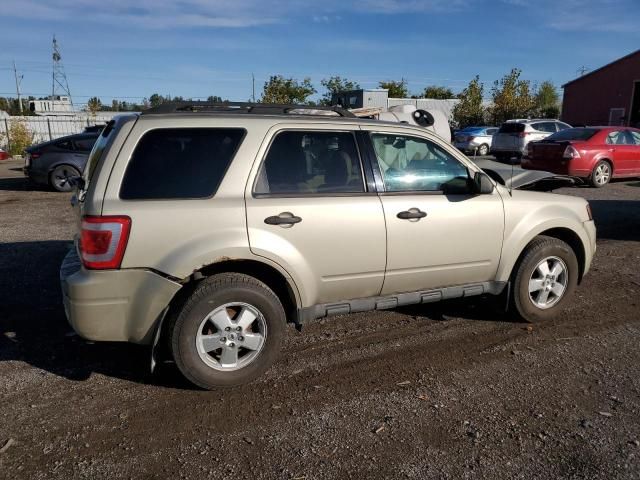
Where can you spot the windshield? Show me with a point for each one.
(573, 134)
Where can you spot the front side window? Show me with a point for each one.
(180, 163)
(311, 162)
(417, 164)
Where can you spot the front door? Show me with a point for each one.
(438, 233)
(309, 211)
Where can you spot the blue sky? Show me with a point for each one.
(196, 48)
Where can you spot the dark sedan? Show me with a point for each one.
(58, 162)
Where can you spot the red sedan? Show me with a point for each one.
(595, 153)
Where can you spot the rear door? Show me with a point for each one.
(438, 233)
(310, 209)
(622, 150)
(635, 153)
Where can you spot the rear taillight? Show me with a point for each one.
(570, 152)
(35, 155)
(529, 153)
(103, 241)
(523, 134)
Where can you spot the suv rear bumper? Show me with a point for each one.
(113, 305)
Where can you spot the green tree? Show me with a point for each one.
(156, 99)
(279, 89)
(470, 110)
(334, 85)
(547, 100)
(512, 97)
(434, 91)
(94, 105)
(19, 137)
(396, 89)
(115, 105)
(214, 99)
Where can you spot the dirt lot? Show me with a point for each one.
(452, 391)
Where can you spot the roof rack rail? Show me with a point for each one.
(246, 108)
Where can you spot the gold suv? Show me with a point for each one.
(206, 228)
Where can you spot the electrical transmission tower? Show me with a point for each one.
(59, 84)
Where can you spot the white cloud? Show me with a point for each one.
(165, 14)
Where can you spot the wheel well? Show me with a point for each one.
(606, 160)
(263, 272)
(573, 240)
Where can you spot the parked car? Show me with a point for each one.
(475, 139)
(206, 228)
(594, 153)
(58, 162)
(3, 155)
(512, 138)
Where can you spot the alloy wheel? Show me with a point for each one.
(231, 336)
(548, 282)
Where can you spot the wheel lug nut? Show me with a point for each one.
(240, 338)
(223, 339)
(227, 329)
(238, 329)
(232, 344)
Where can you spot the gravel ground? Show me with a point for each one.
(450, 391)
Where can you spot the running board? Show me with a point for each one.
(398, 300)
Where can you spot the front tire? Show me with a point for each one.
(601, 174)
(544, 279)
(228, 332)
(483, 150)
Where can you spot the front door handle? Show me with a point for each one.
(285, 219)
(412, 214)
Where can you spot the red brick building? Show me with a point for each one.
(609, 95)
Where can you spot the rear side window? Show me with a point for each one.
(66, 144)
(180, 163)
(85, 144)
(511, 127)
(304, 162)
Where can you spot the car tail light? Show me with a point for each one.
(103, 241)
(523, 134)
(35, 155)
(570, 152)
(529, 153)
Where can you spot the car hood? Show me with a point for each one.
(535, 180)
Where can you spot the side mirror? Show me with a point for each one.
(483, 183)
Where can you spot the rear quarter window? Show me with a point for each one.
(180, 163)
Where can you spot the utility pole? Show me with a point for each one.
(18, 81)
(582, 70)
(253, 87)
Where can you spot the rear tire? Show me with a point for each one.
(544, 279)
(60, 179)
(483, 150)
(228, 332)
(601, 174)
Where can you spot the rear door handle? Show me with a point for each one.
(412, 214)
(284, 219)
